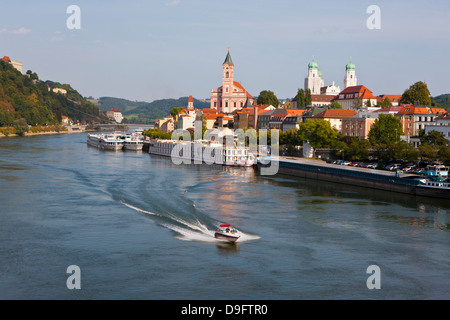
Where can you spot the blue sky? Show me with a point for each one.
(148, 50)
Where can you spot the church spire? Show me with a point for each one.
(228, 58)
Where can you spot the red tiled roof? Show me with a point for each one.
(444, 116)
(336, 113)
(295, 112)
(362, 91)
(209, 110)
(410, 109)
(115, 110)
(392, 97)
(210, 116)
(6, 59)
(190, 99)
(322, 97)
(237, 84)
(437, 110)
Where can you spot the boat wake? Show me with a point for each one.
(190, 231)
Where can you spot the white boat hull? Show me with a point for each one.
(226, 236)
(133, 146)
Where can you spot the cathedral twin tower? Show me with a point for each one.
(315, 83)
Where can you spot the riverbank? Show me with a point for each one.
(361, 177)
(65, 130)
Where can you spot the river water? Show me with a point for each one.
(140, 227)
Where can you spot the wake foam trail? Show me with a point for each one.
(140, 210)
(191, 231)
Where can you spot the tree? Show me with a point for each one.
(175, 111)
(418, 92)
(358, 149)
(300, 98)
(308, 98)
(444, 154)
(429, 152)
(335, 105)
(268, 97)
(386, 103)
(385, 130)
(318, 133)
(434, 138)
(357, 103)
(20, 125)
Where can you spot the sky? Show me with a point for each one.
(148, 50)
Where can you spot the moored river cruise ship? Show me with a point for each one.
(105, 141)
(203, 151)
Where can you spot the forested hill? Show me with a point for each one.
(27, 97)
(146, 112)
(443, 100)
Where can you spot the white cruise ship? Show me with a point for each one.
(203, 151)
(132, 141)
(105, 141)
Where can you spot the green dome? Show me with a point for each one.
(350, 66)
(313, 65)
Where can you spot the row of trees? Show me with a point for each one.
(383, 143)
(416, 93)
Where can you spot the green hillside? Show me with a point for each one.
(443, 100)
(146, 112)
(27, 97)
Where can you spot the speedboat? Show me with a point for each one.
(227, 232)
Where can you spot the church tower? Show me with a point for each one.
(227, 77)
(231, 95)
(350, 75)
(314, 79)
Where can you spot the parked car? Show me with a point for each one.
(393, 167)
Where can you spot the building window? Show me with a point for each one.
(235, 104)
(227, 75)
(226, 104)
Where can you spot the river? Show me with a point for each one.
(140, 227)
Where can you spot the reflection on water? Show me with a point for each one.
(319, 195)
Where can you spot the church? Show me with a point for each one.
(231, 95)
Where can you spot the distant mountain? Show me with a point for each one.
(443, 100)
(27, 97)
(146, 112)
